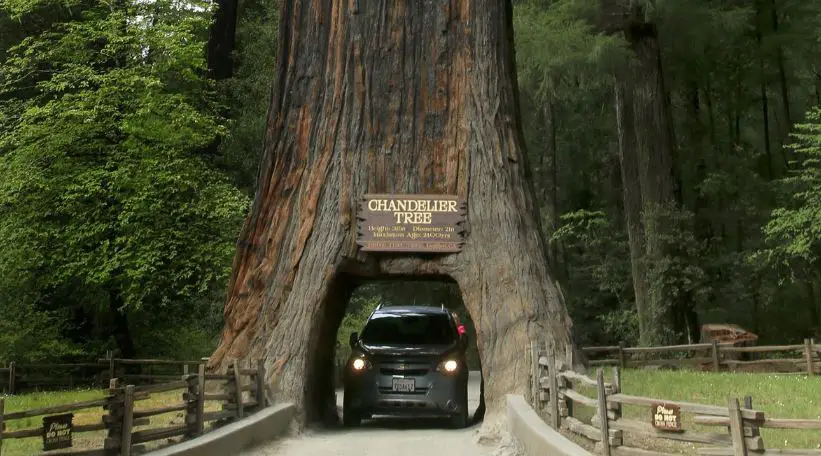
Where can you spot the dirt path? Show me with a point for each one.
(387, 436)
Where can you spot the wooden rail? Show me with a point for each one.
(714, 356)
(19, 377)
(557, 393)
(121, 412)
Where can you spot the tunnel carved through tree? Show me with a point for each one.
(390, 97)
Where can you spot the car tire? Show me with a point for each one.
(350, 416)
(460, 420)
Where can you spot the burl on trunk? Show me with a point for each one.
(389, 97)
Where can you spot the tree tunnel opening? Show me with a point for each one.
(347, 306)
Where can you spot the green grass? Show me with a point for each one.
(29, 446)
(778, 395)
(85, 440)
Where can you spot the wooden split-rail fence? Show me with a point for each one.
(20, 377)
(556, 393)
(798, 358)
(120, 413)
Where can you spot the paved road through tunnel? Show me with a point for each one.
(386, 436)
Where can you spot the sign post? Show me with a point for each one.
(411, 223)
(665, 417)
(57, 431)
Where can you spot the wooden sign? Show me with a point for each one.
(665, 416)
(411, 223)
(57, 431)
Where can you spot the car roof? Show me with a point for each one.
(395, 310)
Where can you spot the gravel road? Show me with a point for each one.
(386, 436)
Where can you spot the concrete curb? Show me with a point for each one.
(534, 435)
(261, 427)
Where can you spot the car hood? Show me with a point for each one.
(403, 350)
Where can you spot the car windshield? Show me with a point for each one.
(408, 329)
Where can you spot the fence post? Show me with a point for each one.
(116, 408)
(621, 355)
(110, 355)
(808, 356)
(553, 383)
(748, 404)
(261, 384)
(716, 359)
(737, 428)
(617, 390)
(191, 396)
(604, 425)
(128, 421)
(534, 375)
(238, 391)
(12, 374)
(2, 425)
(200, 420)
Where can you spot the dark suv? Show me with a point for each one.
(409, 360)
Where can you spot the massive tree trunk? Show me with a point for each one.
(550, 187)
(401, 97)
(629, 159)
(648, 175)
(656, 177)
(222, 40)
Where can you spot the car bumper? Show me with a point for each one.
(434, 394)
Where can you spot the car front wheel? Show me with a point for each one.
(350, 416)
(460, 420)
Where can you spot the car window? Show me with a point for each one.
(408, 329)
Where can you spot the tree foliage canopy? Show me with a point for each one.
(105, 202)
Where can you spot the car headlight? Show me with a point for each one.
(450, 366)
(359, 364)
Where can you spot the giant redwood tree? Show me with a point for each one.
(389, 97)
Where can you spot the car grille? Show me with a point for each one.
(389, 390)
(405, 404)
(409, 371)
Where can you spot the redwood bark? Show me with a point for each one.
(550, 184)
(629, 160)
(390, 97)
(646, 151)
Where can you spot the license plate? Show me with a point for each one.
(404, 385)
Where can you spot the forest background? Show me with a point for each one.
(676, 165)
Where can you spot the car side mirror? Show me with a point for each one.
(354, 339)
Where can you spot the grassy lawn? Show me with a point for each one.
(86, 440)
(778, 395)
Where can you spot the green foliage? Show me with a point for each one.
(248, 93)
(795, 230)
(557, 48)
(29, 335)
(717, 58)
(676, 276)
(362, 305)
(102, 194)
(600, 293)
